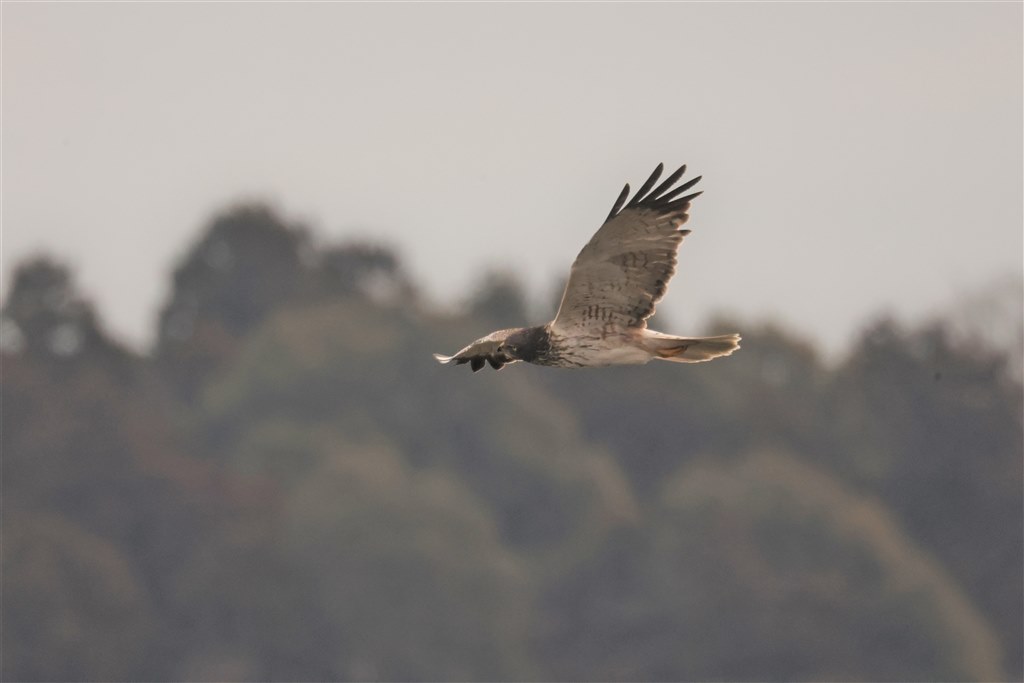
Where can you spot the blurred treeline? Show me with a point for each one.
(288, 487)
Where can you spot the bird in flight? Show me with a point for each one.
(614, 284)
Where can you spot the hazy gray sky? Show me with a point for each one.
(856, 157)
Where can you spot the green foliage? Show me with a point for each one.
(354, 366)
(248, 262)
(409, 570)
(935, 429)
(290, 488)
(73, 605)
(776, 563)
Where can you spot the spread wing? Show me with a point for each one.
(485, 349)
(624, 269)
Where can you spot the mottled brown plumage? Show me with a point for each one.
(614, 285)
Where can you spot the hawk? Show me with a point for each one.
(614, 284)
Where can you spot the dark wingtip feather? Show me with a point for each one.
(680, 203)
(669, 182)
(679, 190)
(642, 192)
(657, 199)
(619, 202)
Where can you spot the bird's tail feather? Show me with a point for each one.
(691, 349)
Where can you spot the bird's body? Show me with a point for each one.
(614, 284)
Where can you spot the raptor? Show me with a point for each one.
(614, 284)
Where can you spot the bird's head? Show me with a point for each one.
(501, 347)
(525, 343)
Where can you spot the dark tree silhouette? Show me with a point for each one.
(290, 488)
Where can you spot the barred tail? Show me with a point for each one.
(690, 349)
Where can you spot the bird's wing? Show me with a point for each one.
(624, 269)
(484, 350)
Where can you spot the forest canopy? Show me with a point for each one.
(288, 487)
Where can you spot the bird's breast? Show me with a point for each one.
(592, 350)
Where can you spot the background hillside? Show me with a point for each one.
(288, 487)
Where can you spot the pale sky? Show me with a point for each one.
(857, 158)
